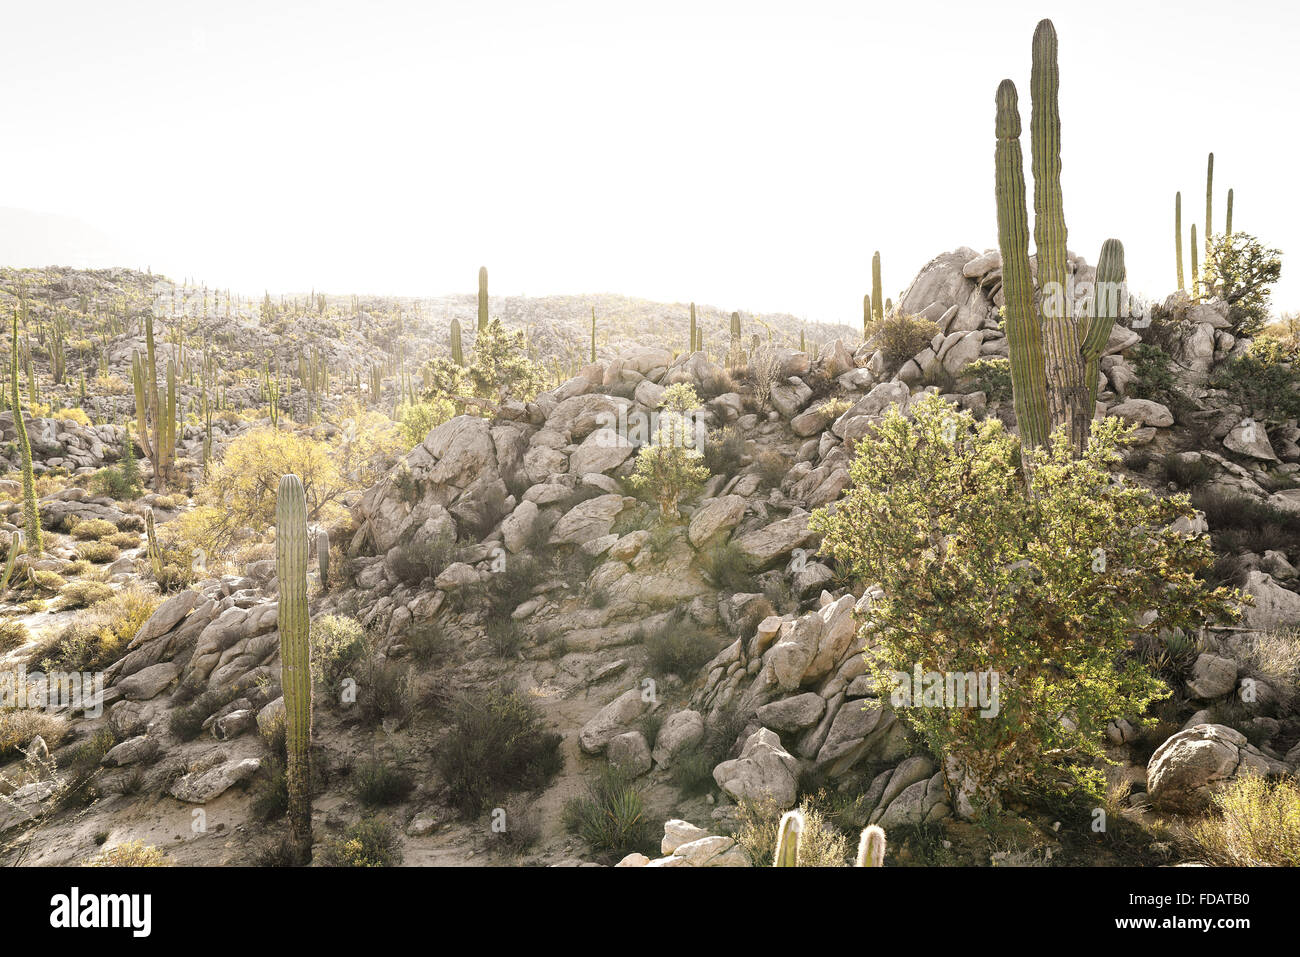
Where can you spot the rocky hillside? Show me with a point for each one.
(502, 620)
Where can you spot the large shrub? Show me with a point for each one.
(1047, 590)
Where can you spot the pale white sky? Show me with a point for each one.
(751, 155)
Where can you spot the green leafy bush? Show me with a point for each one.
(338, 643)
(1044, 590)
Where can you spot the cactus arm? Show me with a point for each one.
(1105, 310)
(1024, 335)
(295, 654)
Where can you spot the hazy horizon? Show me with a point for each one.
(748, 156)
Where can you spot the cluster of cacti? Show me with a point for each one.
(482, 298)
(1054, 353)
(152, 410)
(876, 302)
(295, 655)
(15, 546)
(871, 843)
(31, 512)
(1207, 235)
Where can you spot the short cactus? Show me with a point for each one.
(295, 655)
(871, 844)
(15, 546)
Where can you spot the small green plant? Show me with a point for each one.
(379, 783)
(93, 530)
(900, 337)
(992, 376)
(1255, 823)
(612, 816)
(677, 646)
(495, 743)
(371, 842)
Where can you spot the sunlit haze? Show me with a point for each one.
(749, 155)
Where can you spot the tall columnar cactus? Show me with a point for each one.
(1209, 203)
(866, 317)
(1052, 350)
(295, 655)
(871, 844)
(457, 351)
(323, 558)
(1227, 223)
(693, 330)
(31, 512)
(593, 335)
(1196, 271)
(877, 300)
(482, 298)
(735, 328)
(1178, 236)
(15, 546)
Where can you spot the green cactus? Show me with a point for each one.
(31, 512)
(866, 317)
(457, 351)
(1178, 236)
(1209, 203)
(323, 558)
(871, 847)
(735, 327)
(694, 330)
(482, 298)
(295, 655)
(1052, 351)
(877, 296)
(871, 843)
(787, 840)
(1196, 271)
(152, 550)
(1227, 223)
(15, 546)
